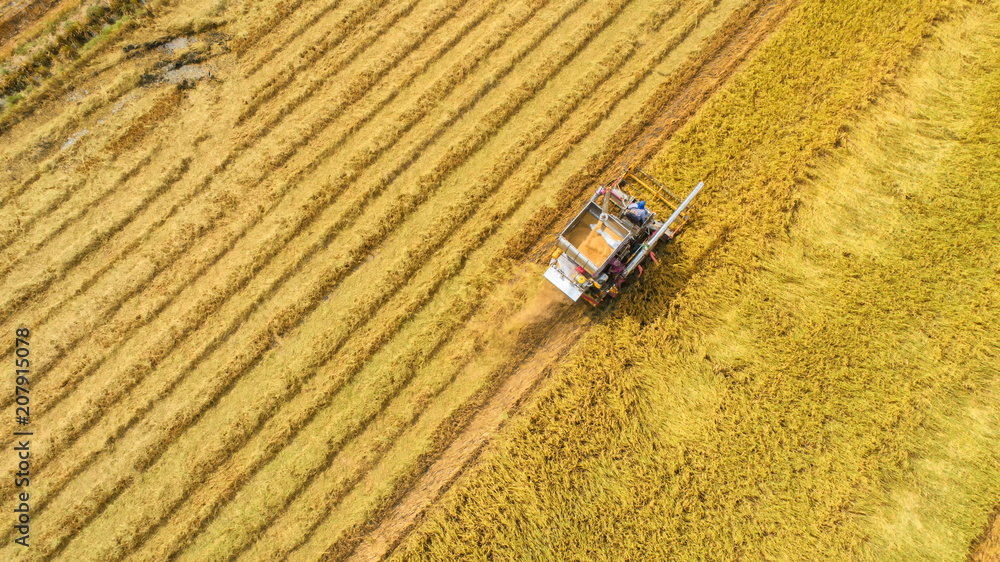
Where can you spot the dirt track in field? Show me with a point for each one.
(987, 546)
(273, 309)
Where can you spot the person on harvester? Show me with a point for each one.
(637, 212)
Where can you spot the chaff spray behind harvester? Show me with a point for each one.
(609, 240)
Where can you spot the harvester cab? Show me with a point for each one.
(609, 240)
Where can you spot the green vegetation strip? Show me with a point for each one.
(61, 43)
(812, 373)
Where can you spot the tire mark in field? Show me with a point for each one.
(150, 461)
(530, 369)
(344, 379)
(400, 518)
(342, 485)
(708, 79)
(357, 433)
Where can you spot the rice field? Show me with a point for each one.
(281, 266)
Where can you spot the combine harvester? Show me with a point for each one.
(609, 239)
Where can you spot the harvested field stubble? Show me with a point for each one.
(814, 377)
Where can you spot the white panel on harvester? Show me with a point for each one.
(564, 285)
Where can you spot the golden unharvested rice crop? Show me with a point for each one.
(278, 263)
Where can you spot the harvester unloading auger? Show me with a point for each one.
(612, 236)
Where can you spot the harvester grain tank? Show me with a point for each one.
(608, 241)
